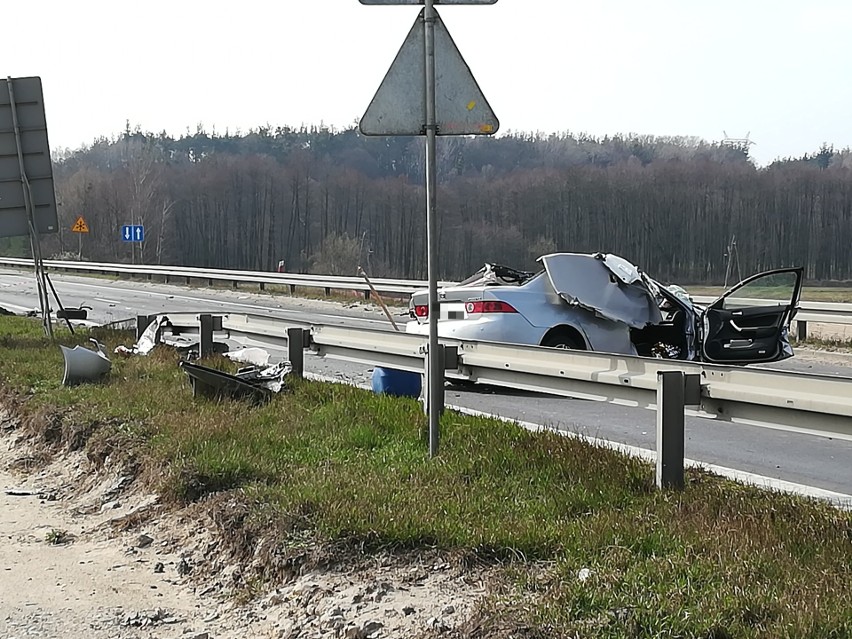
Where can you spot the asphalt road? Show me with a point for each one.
(804, 459)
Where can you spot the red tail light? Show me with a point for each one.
(488, 306)
(421, 311)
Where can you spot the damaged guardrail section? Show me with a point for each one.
(806, 403)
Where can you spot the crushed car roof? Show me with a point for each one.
(605, 284)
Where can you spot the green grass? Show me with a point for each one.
(809, 293)
(342, 468)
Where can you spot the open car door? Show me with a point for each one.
(750, 322)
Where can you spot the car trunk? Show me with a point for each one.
(452, 302)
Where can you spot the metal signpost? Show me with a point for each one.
(27, 198)
(424, 1)
(429, 90)
(133, 233)
(79, 228)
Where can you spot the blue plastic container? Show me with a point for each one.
(390, 381)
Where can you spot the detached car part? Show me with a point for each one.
(84, 365)
(253, 383)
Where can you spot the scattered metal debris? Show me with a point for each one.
(251, 355)
(84, 365)
(363, 274)
(150, 337)
(251, 382)
(21, 492)
(161, 331)
(67, 313)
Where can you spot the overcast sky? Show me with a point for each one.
(778, 70)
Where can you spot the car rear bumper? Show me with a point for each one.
(501, 327)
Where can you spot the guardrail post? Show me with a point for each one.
(205, 334)
(366, 294)
(188, 280)
(235, 284)
(292, 289)
(297, 340)
(801, 330)
(262, 286)
(670, 426)
(327, 291)
(142, 322)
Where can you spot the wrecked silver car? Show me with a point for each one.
(602, 302)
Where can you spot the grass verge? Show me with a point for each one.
(589, 547)
(809, 293)
(825, 344)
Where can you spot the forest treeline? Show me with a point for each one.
(328, 201)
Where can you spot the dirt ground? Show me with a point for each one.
(69, 572)
(839, 332)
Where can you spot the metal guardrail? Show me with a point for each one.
(822, 312)
(807, 403)
(189, 273)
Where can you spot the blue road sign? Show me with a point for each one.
(133, 233)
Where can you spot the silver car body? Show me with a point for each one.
(599, 302)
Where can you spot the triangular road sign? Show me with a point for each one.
(80, 226)
(421, 1)
(399, 106)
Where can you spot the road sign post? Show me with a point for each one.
(27, 197)
(79, 228)
(424, 1)
(435, 372)
(410, 102)
(133, 233)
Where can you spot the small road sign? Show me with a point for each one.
(399, 106)
(80, 226)
(133, 233)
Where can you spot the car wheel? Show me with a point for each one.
(563, 339)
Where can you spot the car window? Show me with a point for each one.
(773, 286)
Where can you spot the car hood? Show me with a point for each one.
(607, 285)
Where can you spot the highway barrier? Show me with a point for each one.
(818, 312)
(805, 403)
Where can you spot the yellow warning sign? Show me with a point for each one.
(80, 226)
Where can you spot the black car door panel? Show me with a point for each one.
(738, 329)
